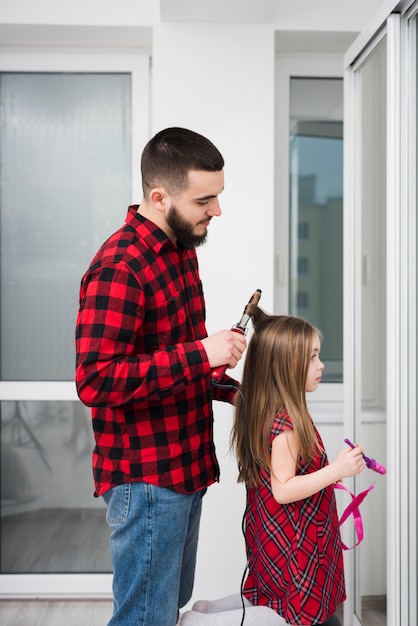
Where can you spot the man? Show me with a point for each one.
(144, 365)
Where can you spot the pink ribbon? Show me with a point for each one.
(353, 509)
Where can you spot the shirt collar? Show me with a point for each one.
(155, 238)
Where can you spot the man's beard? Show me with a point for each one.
(183, 231)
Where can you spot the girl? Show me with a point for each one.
(295, 562)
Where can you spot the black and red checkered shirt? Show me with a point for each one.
(141, 365)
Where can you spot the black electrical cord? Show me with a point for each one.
(244, 575)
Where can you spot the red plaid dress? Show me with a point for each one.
(294, 550)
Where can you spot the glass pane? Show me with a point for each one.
(50, 522)
(65, 167)
(316, 212)
(370, 420)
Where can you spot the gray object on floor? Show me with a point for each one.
(228, 611)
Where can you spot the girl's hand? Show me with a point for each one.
(287, 486)
(349, 462)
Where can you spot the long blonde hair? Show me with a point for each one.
(274, 375)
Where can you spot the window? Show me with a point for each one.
(303, 266)
(70, 130)
(66, 178)
(316, 212)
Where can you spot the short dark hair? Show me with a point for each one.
(172, 153)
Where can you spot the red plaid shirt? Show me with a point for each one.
(141, 365)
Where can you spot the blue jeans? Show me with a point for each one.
(153, 548)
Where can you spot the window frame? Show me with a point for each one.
(67, 60)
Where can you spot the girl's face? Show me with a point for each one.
(315, 367)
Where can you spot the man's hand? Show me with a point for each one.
(224, 348)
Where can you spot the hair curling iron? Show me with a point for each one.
(241, 327)
(370, 463)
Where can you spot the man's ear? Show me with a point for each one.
(160, 199)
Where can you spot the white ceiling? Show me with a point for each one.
(293, 41)
(64, 35)
(300, 25)
(262, 11)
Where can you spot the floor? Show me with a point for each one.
(98, 612)
(55, 613)
(374, 611)
(55, 540)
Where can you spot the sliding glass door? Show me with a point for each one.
(365, 384)
(380, 278)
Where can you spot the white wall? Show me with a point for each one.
(217, 79)
(210, 81)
